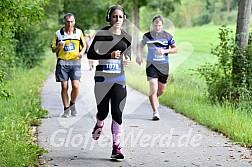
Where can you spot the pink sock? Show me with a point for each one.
(99, 123)
(116, 132)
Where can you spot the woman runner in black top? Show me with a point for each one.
(111, 46)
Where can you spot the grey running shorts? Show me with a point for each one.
(66, 69)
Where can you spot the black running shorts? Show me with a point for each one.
(160, 71)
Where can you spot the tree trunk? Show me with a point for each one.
(228, 4)
(135, 28)
(241, 40)
(242, 27)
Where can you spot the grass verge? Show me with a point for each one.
(20, 113)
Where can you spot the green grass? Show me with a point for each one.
(19, 113)
(202, 38)
(187, 93)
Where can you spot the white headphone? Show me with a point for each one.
(112, 8)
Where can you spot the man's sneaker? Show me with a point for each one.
(66, 113)
(97, 132)
(156, 116)
(116, 153)
(73, 110)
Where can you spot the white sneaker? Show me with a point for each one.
(156, 116)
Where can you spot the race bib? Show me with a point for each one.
(112, 66)
(159, 57)
(69, 47)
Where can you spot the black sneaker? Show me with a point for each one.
(96, 132)
(116, 153)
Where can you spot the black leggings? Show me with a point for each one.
(110, 92)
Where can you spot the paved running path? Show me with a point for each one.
(174, 141)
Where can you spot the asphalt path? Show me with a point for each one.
(173, 141)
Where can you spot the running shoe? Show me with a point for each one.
(116, 153)
(97, 132)
(66, 113)
(156, 116)
(73, 110)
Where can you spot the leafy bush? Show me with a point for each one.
(245, 89)
(30, 47)
(223, 84)
(3, 93)
(202, 19)
(224, 18)
(219, 75)
(15, 16)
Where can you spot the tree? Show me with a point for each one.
(89, 14)
(15, 16)
(242, 26)
(135, 20)
(190, 10)
(241, 40)
(166, 6)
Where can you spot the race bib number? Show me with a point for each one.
(112, 66)
(69, 47)
(159, 57)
